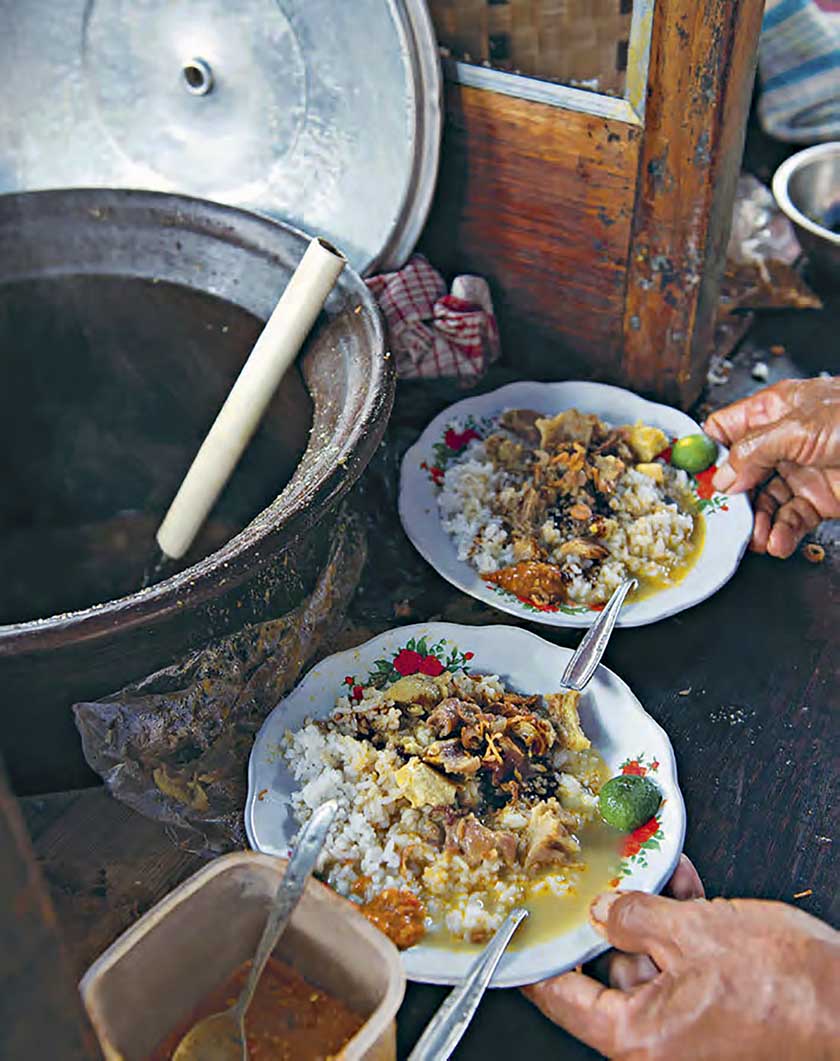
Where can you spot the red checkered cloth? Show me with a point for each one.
(433, 334)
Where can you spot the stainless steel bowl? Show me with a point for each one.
(807, 189)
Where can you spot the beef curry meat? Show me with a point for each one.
(558, 510)
(289, 1019)
(462, 796)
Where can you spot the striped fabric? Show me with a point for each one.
(799, 67)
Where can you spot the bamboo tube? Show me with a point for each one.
(273, 354)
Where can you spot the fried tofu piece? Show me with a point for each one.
(424, 787)
(563, 712)
(655, 471)
(647, 442)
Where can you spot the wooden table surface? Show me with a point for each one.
(745, 685)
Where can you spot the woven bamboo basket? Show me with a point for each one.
(560, 40)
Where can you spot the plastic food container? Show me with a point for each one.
(157, 972)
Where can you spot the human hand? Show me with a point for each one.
(737, 978)
(786, 437)
(630, 970)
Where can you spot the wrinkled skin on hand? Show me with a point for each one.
(784, 441)
(724, 979)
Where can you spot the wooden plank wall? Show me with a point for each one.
(540, 201)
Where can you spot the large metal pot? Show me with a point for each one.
(124, 318)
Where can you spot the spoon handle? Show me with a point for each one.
(307, 848)
(444, 1031)
(584, 662)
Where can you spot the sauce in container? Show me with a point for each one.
(289, 1019)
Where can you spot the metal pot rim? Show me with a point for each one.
(781, 185)
(297, 508)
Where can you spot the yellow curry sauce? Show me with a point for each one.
(649, 586)
(289, 1019)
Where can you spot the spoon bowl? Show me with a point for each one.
(216, 1038)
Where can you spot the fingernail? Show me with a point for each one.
(724, 477)
(600, 909)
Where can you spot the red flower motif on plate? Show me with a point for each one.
(407, 661)
(456, 440)
(431, 665)
(633, 767)
(705, 490)
(633, 843)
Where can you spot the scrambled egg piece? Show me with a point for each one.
(424, 787)
(647, 442)
(563, 711)
(655, 471)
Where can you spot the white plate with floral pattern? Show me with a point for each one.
(629, 740)
(728, 520)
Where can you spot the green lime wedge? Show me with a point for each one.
(628, 801)
(694, 453)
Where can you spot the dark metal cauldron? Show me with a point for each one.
(124, 318)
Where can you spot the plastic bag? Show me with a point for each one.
(175, 745)
(760, 256)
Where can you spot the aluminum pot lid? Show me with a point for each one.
(323, 113)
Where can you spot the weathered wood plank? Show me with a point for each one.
(105, 866)
(702, 68)
(539, 200)
(41, 1014)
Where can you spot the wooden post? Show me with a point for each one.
(700, 82)
(41, 1013)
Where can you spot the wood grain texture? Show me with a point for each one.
(41, 1015)
(105, 866)
(539, 200)
(702, 67)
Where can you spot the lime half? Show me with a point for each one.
(628, 801)
(694, 453)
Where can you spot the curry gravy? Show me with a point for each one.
(551, 915)
(649, 586)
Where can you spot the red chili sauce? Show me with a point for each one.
(288, 1019)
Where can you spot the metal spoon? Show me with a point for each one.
(584, 662)
(221, 1036)
(446, 1028)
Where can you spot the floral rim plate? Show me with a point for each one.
(626, 736)
(729, 520)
